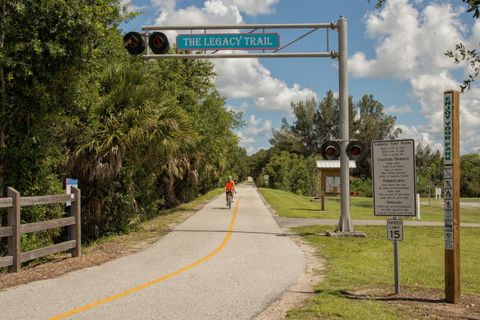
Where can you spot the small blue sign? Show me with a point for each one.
(69, 183)
(228, 41)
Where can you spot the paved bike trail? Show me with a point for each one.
(198, 271)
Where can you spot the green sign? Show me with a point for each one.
(229, 41)
(447, 116)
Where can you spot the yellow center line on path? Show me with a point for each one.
(157, 280)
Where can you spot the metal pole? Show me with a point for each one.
(328, 25)
(331, 54)
(396, 263)
(345, 223)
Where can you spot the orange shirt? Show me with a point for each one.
(229, 185)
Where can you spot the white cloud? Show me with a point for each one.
(410, 46)
(248, 78)
(420, 137)
(254, 129)
(250, 7)
(428, 91)
(237, 78)
(409, 42)
(395, 109)
(254, 7)
(213, 12)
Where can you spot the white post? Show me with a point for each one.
(418, 206)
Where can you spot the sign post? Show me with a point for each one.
(395, 234)
(393, 171)
(69, 183)
(451, 163)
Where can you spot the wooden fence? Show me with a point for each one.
(14, 229)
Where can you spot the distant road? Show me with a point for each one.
(219, 264)
(302, 222)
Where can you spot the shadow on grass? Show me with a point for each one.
(341, 293)
(364, 205)
(307, 209)
(318, 234)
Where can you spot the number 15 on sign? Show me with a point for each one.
(395, 229)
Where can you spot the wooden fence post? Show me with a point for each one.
(14, 221)
(77, 228)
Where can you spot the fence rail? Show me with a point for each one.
(14, 229)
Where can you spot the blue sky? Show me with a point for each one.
(395, 54)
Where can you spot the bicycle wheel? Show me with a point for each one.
(229, 201)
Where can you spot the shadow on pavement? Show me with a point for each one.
(278, 234)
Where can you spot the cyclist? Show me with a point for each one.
(229, 188)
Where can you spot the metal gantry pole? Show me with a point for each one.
(345, 223)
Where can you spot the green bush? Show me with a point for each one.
(290, 172)
(361, 185)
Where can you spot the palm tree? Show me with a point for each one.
(135, 130)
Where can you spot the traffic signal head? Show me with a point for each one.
(355, 150)
(330, 150)
(134, 43)
(158, 43)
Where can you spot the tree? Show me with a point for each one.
(285, 139)
(47, 50)
(45, 46)
(470, 180)
(291, 172)
(300, 137)
(139, 135)
(190, 84)
(131, 132)
(429, 169)
(258, 161)
(372, 124)
(316, 123)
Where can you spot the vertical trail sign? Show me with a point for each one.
(451, 180)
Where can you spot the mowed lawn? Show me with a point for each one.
(358, 275)
(288, 204)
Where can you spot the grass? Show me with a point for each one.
(290, 205)
(356, 266)
(359, 278)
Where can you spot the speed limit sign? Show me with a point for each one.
(395, 229)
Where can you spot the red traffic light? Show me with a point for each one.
(330, 150)
(355, 150)
(158, 43)
(133, 42)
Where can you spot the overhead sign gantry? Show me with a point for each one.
(215, 38)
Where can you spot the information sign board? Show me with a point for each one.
(228, 41)
(395, 229)
(393, 166)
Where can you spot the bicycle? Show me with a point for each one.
(229, 199)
